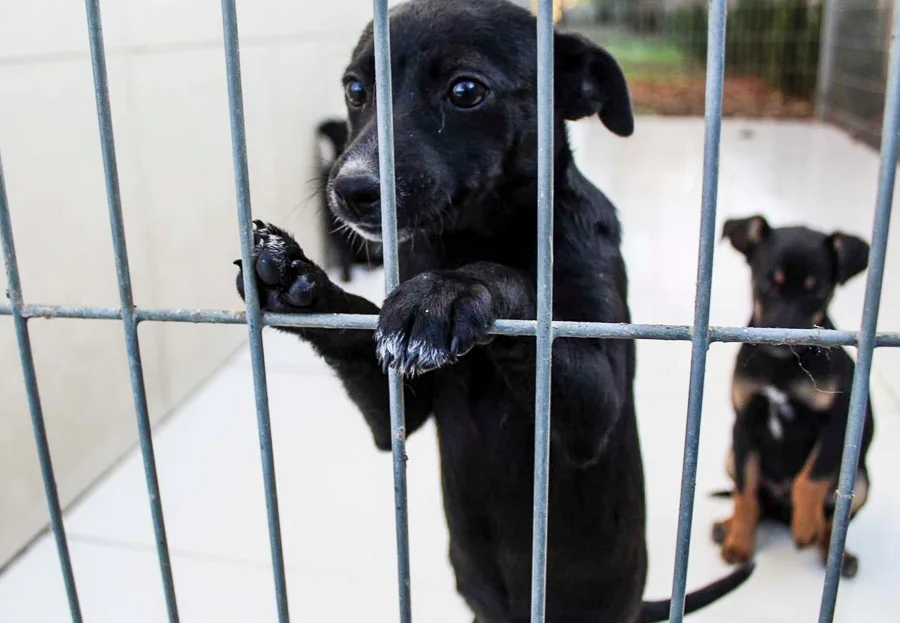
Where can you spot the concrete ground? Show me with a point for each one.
(335, 488)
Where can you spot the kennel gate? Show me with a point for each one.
(700, 334)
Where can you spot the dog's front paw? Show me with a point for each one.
(287, 281)
(808, 523)
(737, 541)
(432, 320)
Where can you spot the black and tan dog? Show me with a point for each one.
(791, 402)
(465, 111)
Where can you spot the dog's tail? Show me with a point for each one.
(654, 611)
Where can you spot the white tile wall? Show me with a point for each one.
(170, 111)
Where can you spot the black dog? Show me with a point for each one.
(791, 402)
(342, 250)
(465, 110)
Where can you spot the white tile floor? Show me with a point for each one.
(335, 489)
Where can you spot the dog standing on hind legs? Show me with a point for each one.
(791, 403)
(464, 78)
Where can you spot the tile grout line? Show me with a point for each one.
(144, 548)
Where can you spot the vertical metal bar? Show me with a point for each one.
(34, 402)
(254, 317)
(117, 225)
(715, 77)
(827, 44)
(544, 328)
(385, 118)
(859, 395)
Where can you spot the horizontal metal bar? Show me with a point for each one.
(129, 322)
(561, 328)
(715, 78)
(34, 403)
(253, 316)
(859, 393)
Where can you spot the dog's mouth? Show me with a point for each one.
(372, 232)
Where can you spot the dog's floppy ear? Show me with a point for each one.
(336, 133)
(589, 81)
(851, 255)
(746, 233)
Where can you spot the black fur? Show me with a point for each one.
(795, 271)
(466, 206)
(343, 250)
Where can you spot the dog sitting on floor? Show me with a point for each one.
(791, 402)
(464, 77)
(344, 249)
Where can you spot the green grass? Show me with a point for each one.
(642, 56)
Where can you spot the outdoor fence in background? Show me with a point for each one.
(856, 37)
(544, 329)
(787, 59)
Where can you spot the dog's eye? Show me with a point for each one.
(355, 92)
(467, 93)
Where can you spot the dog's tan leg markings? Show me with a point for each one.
(818, 396)
(737, 534)
(808, 499)
(860, 492)
(729, 466)
(742, 391)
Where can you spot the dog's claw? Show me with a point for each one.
(802, 544)
(409, 363)
(432, 320)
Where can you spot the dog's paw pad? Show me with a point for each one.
(287, 280)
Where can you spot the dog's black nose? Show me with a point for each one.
(360, 193)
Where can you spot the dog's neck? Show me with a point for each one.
(786, 351)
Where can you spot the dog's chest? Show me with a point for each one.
(780, 410)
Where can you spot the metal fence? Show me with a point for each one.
(853, 69)
(772, 52)
(544, 328)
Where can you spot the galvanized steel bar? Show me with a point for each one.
(715, 77)
(827, 44)
(20, 323)
(251, 296)
(385, 122)
(544, 328)
(561, 328)
(129, 322)
(859, 394)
